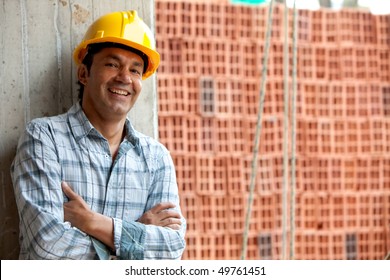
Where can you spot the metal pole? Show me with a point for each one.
(293, 136)
(285, 133)
(258, 130)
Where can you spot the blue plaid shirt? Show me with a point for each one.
(68, 148)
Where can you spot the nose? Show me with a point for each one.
(124, 76)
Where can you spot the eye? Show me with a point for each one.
(112, 65)
(136, 71)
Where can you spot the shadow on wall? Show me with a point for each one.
(9, 223)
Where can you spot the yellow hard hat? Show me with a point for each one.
(124, 28)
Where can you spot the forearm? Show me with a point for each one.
(139, 241)
(164, 243)
(102, 228)
(80, 215)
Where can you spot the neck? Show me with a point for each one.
(112, 127)
(112, 130)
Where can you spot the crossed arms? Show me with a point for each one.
(79, 214)
(53, 228)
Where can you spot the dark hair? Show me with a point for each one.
(95, 48)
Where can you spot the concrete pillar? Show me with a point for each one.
(37, 78)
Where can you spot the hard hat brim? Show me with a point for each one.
(153, 56)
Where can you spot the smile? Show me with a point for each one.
(119, 92)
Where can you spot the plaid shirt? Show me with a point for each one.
(68, 148)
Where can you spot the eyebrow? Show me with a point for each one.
(118, 58)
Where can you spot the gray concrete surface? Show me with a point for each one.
(37, 78)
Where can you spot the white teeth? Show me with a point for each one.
(118, 91)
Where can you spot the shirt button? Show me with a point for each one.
(107, 156)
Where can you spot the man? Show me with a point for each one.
(87, 185)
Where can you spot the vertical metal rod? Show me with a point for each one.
(285, 131)
(258, 130)
(293, 135)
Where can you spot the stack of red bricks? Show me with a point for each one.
(208, 95)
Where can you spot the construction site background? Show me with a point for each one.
(208, 95)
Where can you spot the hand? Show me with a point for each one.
(160, 215)
(80, 215)
(76, 211)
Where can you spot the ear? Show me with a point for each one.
(82, 74)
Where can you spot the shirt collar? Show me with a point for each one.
(131, 133)
(81, 126)
(79, 123)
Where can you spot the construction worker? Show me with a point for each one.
(87, 184)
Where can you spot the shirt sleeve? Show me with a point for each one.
(36, 176)
(140, 241)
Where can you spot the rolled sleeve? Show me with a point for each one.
(132, 241)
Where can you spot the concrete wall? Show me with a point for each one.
(37, 78)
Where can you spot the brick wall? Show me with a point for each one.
(208, 90)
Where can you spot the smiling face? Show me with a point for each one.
(112, 85)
